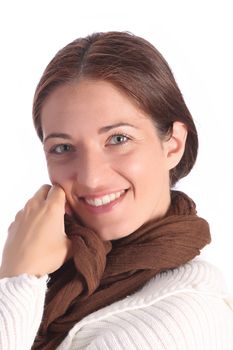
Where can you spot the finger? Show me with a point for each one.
(56, 194)
(42, 193)
(19, 215)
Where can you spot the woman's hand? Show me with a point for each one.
(37, 243)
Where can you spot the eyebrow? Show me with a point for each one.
(59, 135)
(109, 127)
(100, 131)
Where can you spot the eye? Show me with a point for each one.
(118, 139)
(60, 149)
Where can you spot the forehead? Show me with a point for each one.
(88, 103)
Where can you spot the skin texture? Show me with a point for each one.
(92, 159)
(95, 163)
(37, 243)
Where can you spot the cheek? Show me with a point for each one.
(144, 165)
(148, 174)
(137, 169)
(58, 174)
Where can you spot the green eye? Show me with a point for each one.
(118, 139)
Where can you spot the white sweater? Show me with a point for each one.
(183, 309)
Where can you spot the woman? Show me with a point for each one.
(117, 243)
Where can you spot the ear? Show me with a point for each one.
(174, 146)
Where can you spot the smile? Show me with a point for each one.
(106, 199)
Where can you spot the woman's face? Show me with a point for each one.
(106, 155)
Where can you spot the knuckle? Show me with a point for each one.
(31, 203)
(10, 227)
(19, 215)
(45, 187)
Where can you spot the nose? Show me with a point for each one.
(92, 171)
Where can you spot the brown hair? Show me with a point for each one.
(136, 67)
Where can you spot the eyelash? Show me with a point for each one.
(125, 136)
(53, 149)
(121, 135)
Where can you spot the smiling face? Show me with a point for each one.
(107, 156)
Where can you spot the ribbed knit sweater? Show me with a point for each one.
(182, 309)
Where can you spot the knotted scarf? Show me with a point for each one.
(102, 272)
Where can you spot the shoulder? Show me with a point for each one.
(184, 308)
(196, 276)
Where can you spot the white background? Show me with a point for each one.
(196, 39)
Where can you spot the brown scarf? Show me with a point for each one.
(101, 273)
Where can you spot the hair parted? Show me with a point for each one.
(136, 67)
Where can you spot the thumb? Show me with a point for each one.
(56, 195)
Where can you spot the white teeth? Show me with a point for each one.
(105, 199)
(112, 197)
(98, 202)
